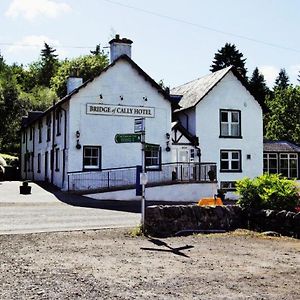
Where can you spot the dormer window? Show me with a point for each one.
(230, 123)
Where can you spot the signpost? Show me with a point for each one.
(128, 138)
(138, 137)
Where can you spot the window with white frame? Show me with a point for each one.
(91, 157)
(152, 157)
(48, 122)
(40, 125)
(58, 122)
(270, 163)
(230, 161)
(228, 185)
(230, 123)
(288, 165)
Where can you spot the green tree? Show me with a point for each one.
(86, 67)
(49, 65)
(229, 56)
(283, 121)
(258, 88)
(282, 81)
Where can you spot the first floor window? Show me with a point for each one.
(270, 163)
(152, 157)
(230, 161)
(91, 157)
(230, 123)
(288, 165)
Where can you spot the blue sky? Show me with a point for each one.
(173, 40)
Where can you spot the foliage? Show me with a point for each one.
(269, 191)
(229, 56)
(9, 159)
(137, 231)
(283, 117)
(258, 88)
(86, 67)
(282, 80)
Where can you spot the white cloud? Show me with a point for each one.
(30, 9)
(270, 73)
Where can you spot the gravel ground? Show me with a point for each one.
(110, 264)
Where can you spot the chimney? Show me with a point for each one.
(73, 83)
(119, 47)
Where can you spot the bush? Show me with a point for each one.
(269, 191)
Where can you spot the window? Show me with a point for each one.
(40, 131)
(24, 136)
(57, 159)
(48, 122)
(58, 122)
(39, 163)
(230, 161)
(228, 185)
(270, 163)
(230, 123)
(91, 157)
(288, 165)
(152, 157)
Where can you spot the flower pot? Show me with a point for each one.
(25, 190)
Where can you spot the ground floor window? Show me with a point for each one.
(288, 165)
(152, 157)
(57, 159)
(228, 185)
(270, 163)
(39, 163)
(91, 157)
(230, 161)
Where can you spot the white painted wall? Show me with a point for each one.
(190, 192)
(100, 130)
(230, 94)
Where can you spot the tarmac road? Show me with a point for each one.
(52, 210)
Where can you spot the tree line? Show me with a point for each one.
(37, 86)
(41, 83)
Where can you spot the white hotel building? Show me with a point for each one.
(79, 142)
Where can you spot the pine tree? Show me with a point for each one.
(282, 80)
(258, 88)
(49, 65)
(229, 56)
(97, 51)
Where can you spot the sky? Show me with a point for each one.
(174, 41)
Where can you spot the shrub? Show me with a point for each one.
(269, 191)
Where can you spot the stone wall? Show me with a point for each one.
(168, 220)
(283, 222)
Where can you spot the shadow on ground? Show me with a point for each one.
(81, 201)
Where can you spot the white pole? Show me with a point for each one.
(143, 171)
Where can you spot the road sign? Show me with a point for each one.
(128, 138)
(139, 125)
(151, 147)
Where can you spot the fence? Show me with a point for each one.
(109, 179)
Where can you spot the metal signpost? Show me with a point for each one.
(139, 127)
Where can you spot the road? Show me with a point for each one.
(52, 210)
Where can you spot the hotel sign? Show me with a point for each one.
(120, 110)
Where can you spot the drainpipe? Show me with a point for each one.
(52, 151)
(33, 152)
(64, 149)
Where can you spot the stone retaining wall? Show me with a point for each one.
(283, 222)
(168, 220)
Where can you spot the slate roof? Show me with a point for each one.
(194, 91)
(280, 146)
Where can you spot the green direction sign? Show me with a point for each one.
(128, 138)
(151, 147)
